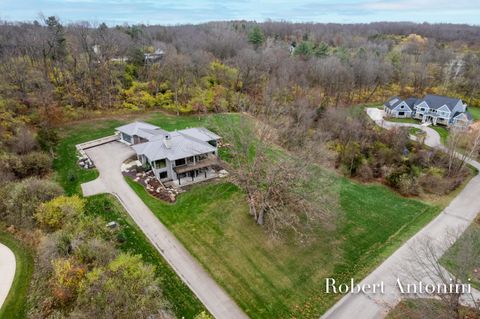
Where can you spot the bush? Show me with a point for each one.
(21, 199)
(55, 213)
(47, 138)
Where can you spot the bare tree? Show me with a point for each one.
(462, 146)
(281, 195)
(451, 288)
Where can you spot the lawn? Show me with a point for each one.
(402, 120)
(14, 306)
(443, 132)
(268, 279)
(414, 130)
(475, 111)
(469, 240)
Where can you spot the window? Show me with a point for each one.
(163, 175)
(126, 138)
(180, 162)
(160, 163)
(401, 113)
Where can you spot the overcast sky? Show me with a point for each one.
(196, 11)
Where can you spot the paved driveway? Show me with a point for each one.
(457, 217)
(7, 271)
(108, 159)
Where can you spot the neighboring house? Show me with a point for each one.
(172, 155)
(435, 109)
(153, 57)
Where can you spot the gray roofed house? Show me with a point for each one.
(172, 155)
(435, 109)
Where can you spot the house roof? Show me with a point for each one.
(134, 128)
(467, 114)
(437, 101)
(180, 146)
(200, 133)
(393, 102)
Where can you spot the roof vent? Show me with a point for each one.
(167, 141)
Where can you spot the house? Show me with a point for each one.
(186, 153)
(435, 109)
(153, 57)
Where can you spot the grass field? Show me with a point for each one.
(268, 279)
(14, 306)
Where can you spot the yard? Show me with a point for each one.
(468, 241)
(268, 279)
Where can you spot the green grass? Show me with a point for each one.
(277, 280)
(15, 303)
(470, 239)
(414, 130)
(475, 111)
(268, 279)
(403, 120)
(442, 131)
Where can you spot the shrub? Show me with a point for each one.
(55, 213)
(21, 199)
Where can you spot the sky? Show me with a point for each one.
(171, 12)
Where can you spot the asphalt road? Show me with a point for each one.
(455, 218)
(108, 159)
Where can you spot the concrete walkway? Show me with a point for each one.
(7, 271)
(457, 217)
(108, 159)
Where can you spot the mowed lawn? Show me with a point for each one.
(268, 279)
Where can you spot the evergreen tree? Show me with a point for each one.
(256, 36)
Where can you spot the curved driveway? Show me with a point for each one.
(108, 159)
(457, 216)
(7, 271)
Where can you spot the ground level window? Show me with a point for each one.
(163, 175)
(401, 113)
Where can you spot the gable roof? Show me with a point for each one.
(467, 114)
(393, 102)
(181, 146)
(437, 101)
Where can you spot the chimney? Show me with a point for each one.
(167, 141)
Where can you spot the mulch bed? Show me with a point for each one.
(152, 185)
